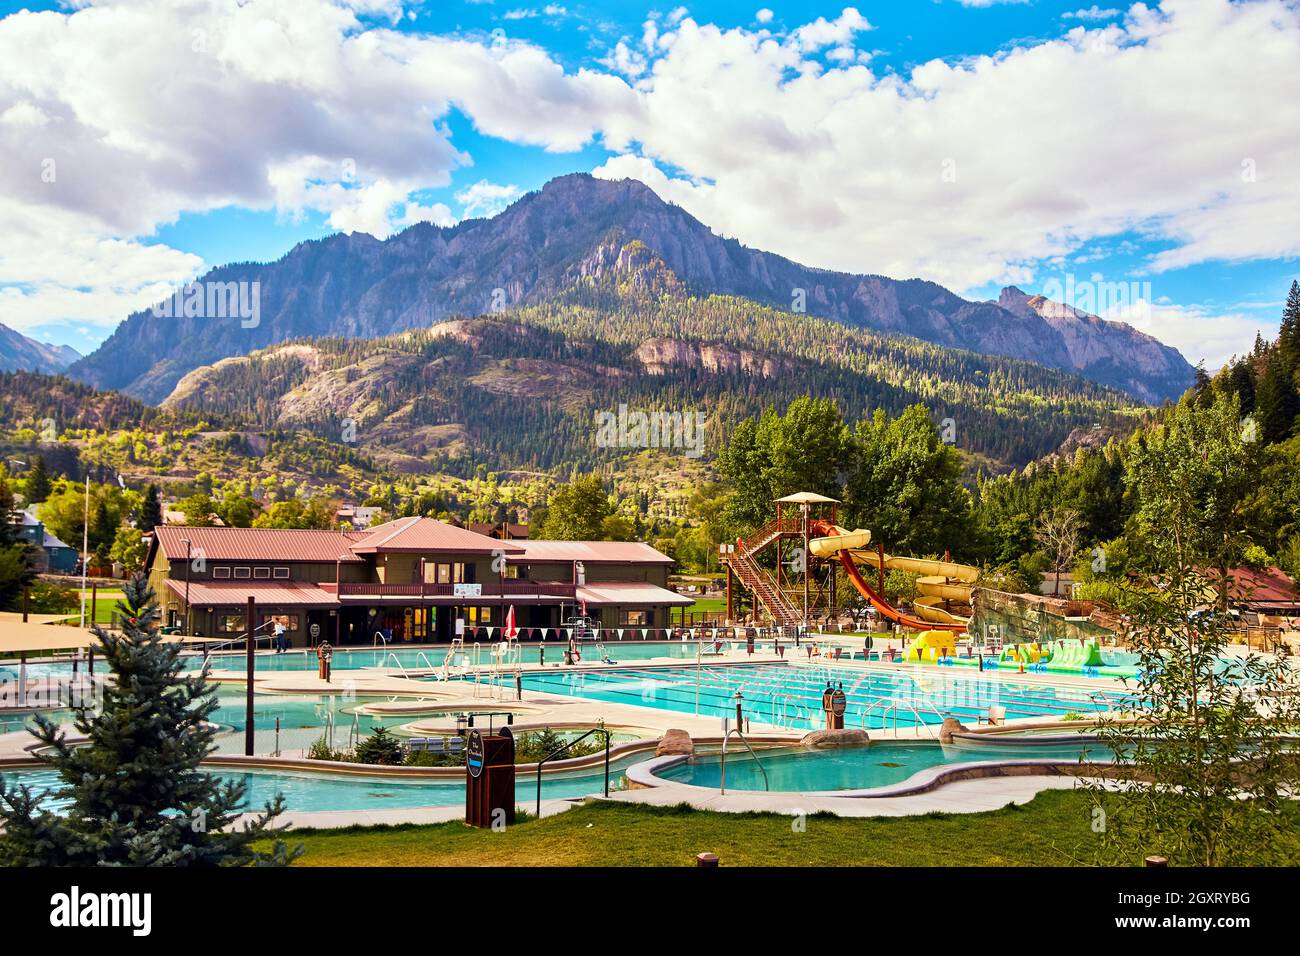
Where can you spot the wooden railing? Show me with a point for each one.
(511, 588)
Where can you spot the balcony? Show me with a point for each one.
(515, 589)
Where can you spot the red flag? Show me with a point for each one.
(511, 632)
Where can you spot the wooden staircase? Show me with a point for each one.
(756, 578)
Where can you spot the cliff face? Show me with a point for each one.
(1113, 353)
(576, 228)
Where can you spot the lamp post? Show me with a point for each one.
(188, 552)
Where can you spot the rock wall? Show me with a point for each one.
(1017, 618)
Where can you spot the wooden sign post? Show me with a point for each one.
(490, 778)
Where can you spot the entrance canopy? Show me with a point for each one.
(19, 638)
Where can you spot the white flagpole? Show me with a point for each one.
(85, 550)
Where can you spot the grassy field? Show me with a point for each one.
(1052, 830)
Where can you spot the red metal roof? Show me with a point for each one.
(428, 535)
(258, 544)
(269, 594)
(1266, 586)
(597, 552)
(629, 592)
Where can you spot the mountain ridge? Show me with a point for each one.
(357, 286)
(19, 352)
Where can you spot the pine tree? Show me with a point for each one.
(1277, 402)
(17, 556)
(151, 515)
(1288, 339)
(38, 482)
(136, 793)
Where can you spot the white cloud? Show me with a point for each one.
(764, 16)
(967, 172)
(1200, 332)
(970, 173)
(1093, 12)
(119, 117)
(486, 199)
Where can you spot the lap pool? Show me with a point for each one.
(784, 695)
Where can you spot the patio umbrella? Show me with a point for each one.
(510, 630)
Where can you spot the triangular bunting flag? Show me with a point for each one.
(545, 631)
(490, 630)
(620, 634)
(645, 633)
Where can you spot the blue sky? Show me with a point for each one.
(1217, 266)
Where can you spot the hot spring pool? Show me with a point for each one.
(881, 764)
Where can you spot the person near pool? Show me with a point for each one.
(281, 643)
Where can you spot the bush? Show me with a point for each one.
(321, 750)
(381, 747)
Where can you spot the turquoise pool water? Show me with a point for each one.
(412, 658)
(854, 768)
(790, 696)
(310, 792)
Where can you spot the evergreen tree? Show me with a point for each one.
(103, 529)
(1288, 338)
(17, 557)
(136, 793)
(1277, 401)
(38, 482)
(151, 515)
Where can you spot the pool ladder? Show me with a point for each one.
(722, 783)
(891, 705)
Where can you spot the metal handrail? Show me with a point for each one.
(398, 663)
(421, 656)
(379, 636)
(564, 749)
(722, 782)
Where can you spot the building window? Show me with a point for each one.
(450, 573)
(221, 572)
(242, 572)
(230, 623)
(280, 574)
(479, 616)
(262, 574)
(634, 618)
(290, 621)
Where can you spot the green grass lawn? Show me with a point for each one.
(105, 601)
(711, 604)
(1052, 830)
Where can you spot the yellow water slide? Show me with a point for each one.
(940, 585)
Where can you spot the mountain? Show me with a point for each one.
(523, 390)
(1114, 353)
(360, 287)
(18, 352)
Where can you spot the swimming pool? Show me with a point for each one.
(422, 658)
(878, 764)
(305, 791)
(787, 695)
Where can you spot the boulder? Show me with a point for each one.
(675, 742)
(951, 725)
(822, 739)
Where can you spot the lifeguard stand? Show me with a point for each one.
(794, 593)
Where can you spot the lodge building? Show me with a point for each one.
(412, 578)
